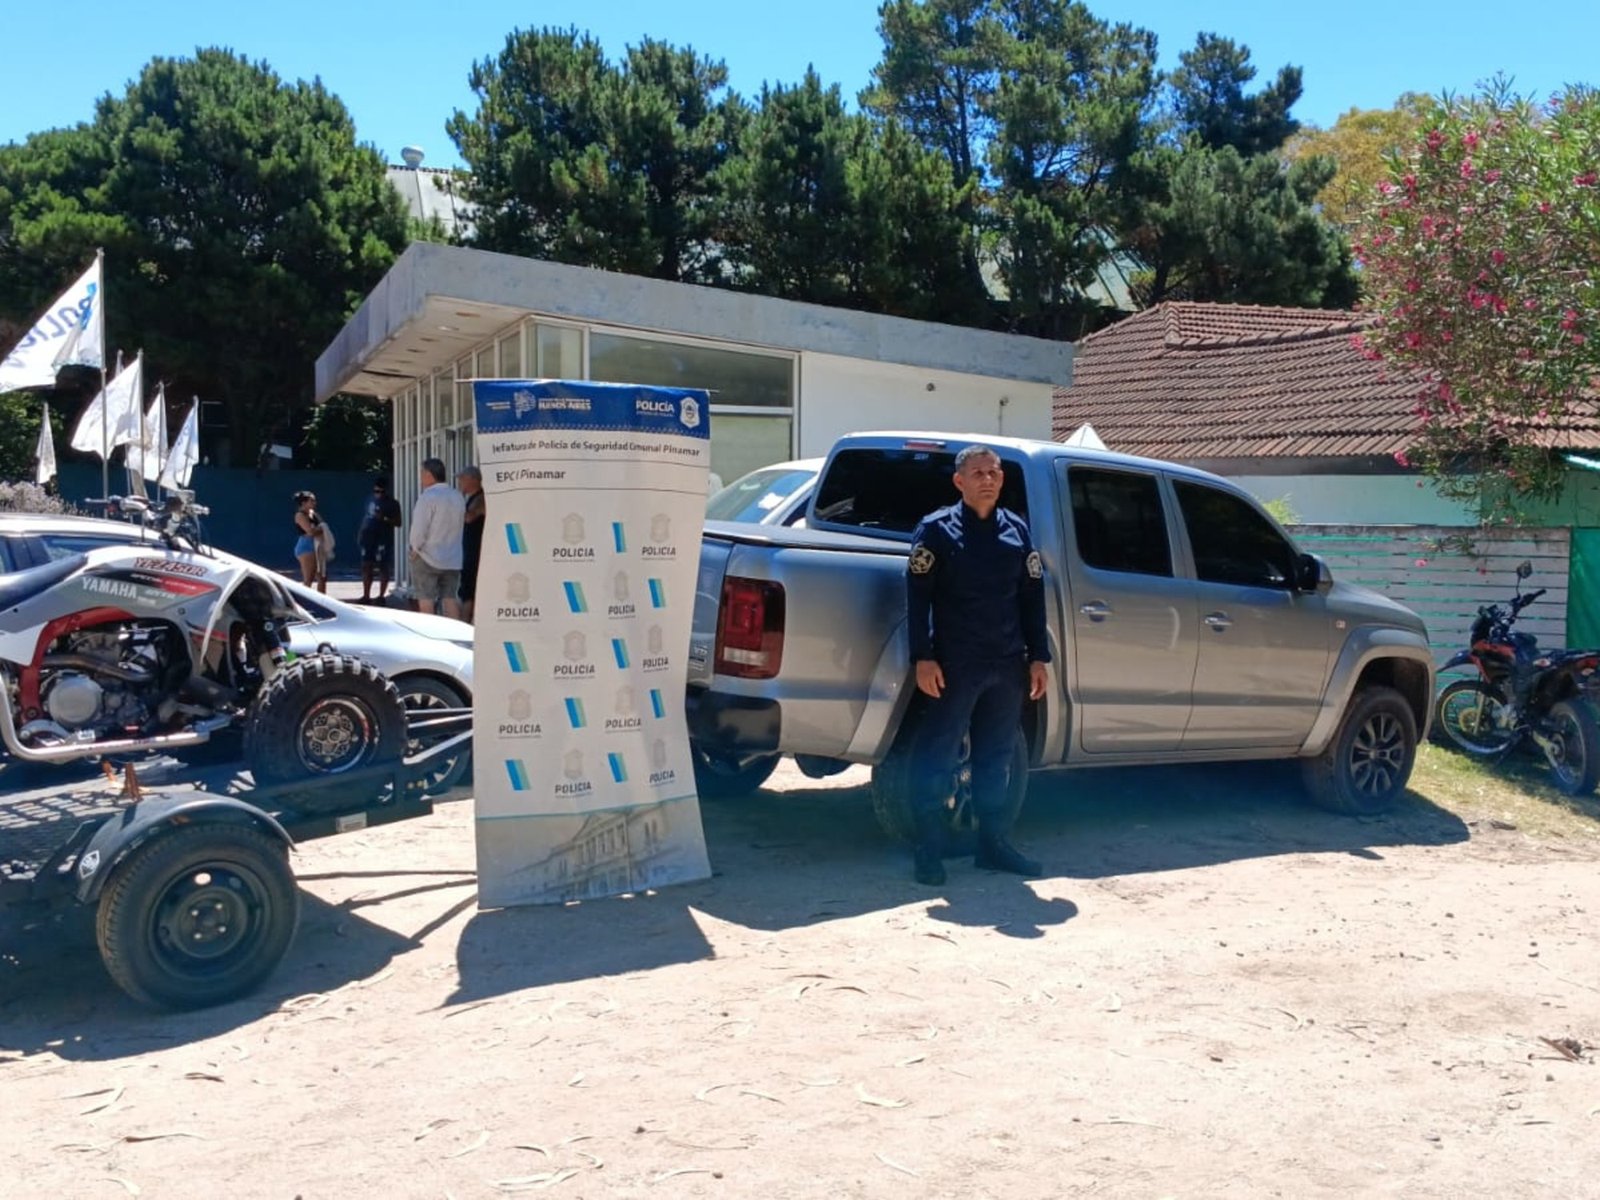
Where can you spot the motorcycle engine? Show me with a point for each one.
(103, 680)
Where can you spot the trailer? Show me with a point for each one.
(186, 868)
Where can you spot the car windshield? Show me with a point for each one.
(751, 497)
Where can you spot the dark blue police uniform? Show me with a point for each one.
(975, 604)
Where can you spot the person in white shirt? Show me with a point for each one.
(436, 524)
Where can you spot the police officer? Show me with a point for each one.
(975, 607)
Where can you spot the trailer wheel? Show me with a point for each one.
(324, 715)
(198, 915)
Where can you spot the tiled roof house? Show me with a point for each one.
(1243, 389)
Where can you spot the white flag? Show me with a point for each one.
(147, 453)
(185, 452)
(112, 417)
(45, 452)
(68, 332)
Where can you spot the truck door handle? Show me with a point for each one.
(1219, 621)
(1095, 610)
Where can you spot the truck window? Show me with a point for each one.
(874, 488)
(1119, 522)
(1232, 542)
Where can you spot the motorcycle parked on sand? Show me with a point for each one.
(162, 646)
(1523, 696)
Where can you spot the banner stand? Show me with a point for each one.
(595, 498)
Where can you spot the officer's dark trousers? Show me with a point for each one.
(985, 699)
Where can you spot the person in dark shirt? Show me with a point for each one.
(469, 481)
(975, 612)
(379, 520)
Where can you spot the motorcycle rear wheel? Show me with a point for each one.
(1467, 713)
(1576, 769)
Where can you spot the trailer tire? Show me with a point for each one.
(198, 915)
(321, 716)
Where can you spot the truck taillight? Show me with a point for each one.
(750, 628)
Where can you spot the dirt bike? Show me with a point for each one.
(1523, 696)
(163, 647)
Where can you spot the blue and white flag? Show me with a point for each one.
(112, 418)
(185, 452)
(71, 332)
(147, 453)
(596, 495)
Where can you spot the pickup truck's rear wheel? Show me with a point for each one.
(895, 779)
(719, 779)
(1365, 768)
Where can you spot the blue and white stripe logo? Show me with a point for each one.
(618, 537)
(658, 704)
(517, 657)
(575, 712)
(575, 599)
(518, 773)
(514, 538)
(619, 769)
(658, 594)
(619, 649)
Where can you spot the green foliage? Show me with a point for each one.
(241, 221)
(1479, 254)
(825, 206)
(20, 414)
(349, 433)
(1359, 144)
(577, 160)
(1209, 100)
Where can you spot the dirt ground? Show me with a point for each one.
(1216, 991)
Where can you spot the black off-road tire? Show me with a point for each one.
(1364, 770)
(419, 694)
(716, 780)
(324, 715)
(198, 915)
(1581, 772)
(894, 782)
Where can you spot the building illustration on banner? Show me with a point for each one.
(597, 794)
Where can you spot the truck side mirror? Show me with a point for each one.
(1312, 574)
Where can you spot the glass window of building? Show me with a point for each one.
(511, 356)
(559, 352)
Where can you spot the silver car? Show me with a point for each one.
(775, 495)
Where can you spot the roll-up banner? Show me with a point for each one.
(596, 496)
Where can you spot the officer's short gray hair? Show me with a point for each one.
(977, 450)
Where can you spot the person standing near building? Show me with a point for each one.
(436, 524)
(308, 550)
(379, 520)
(976, 617)
(469, 481)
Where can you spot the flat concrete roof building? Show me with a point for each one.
(786, 378)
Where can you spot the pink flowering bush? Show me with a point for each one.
(1481, 260)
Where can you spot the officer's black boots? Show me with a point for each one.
(995, 853)
(927, 854)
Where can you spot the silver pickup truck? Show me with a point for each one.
(1184, 624)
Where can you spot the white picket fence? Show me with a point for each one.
(1425, 568)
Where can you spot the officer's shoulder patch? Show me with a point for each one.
(1035, 566)
(921, 559)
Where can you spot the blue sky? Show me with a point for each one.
(401, 67)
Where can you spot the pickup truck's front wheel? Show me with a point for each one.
(1365, 768)
(895, 779)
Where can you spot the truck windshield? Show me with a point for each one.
(877, 488)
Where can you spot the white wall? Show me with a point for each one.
(847, 395)
(1357, 499)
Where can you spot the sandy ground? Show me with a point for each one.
(1216, 991)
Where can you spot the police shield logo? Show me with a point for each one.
(575, 646)
(1035, 566)
(658, 754)
(660, 527)
(652, 640)
(519, 705)
(689, 412)
(625, 701)
(572, 764)
(518, 589)
(921, 559)
(619, 587)
(572, 528)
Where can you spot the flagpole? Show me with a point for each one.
(105, 426)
